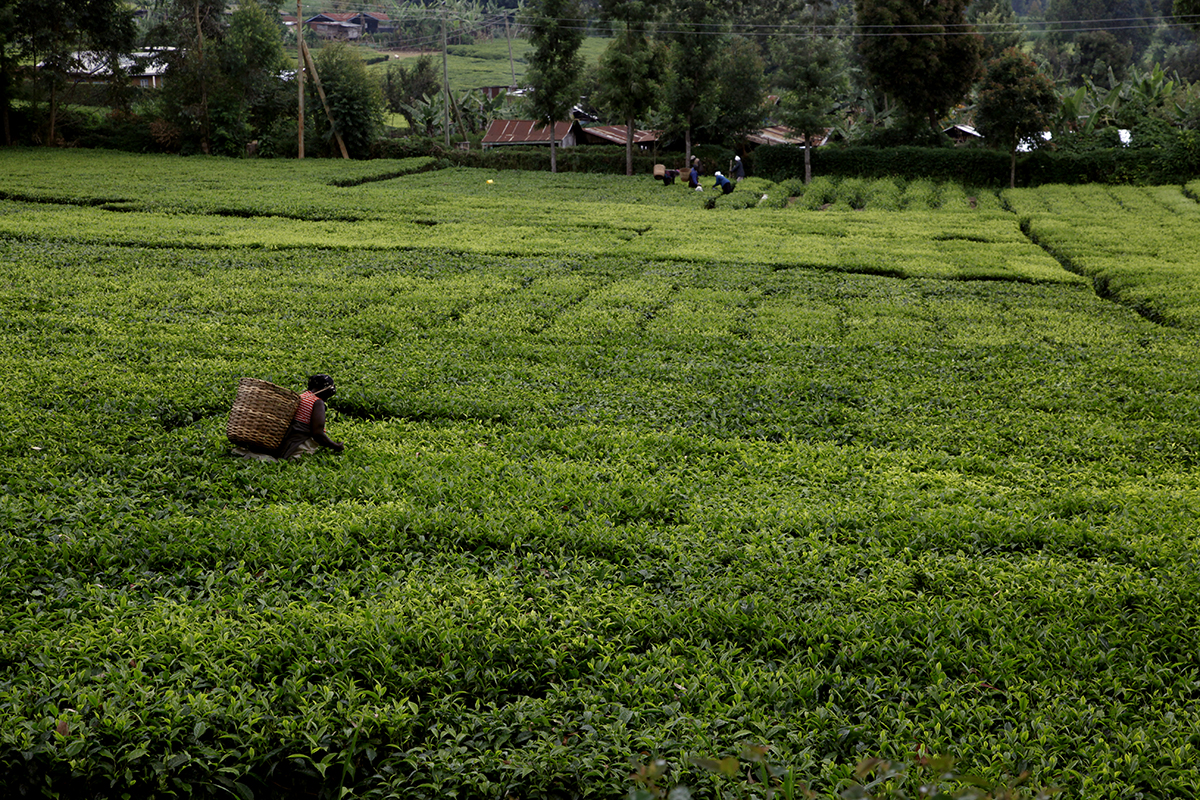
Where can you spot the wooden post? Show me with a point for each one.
(204, 127)
(300, 72)
(445, 79)
(312, 67)
(511, 65)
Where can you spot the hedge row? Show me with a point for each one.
(974, 166)
(1174, 162)
(592, 158)
(980, 167)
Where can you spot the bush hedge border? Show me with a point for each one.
(1175, 163)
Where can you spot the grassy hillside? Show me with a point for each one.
(487, 63)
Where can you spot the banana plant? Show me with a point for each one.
(426, 115)
(477, 110)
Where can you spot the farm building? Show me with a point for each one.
(616, 134)
(348, 24)
(961, 134)
(781, 134)
(506, 132)
(144, 68)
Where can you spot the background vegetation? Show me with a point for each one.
(1125, 105)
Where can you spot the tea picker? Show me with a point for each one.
(270, 423)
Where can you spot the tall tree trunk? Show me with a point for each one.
(553, 160)
(53, 112)
(807, 161)
(1012, 170)
(629, 146)
(205, 146)
(5, 100)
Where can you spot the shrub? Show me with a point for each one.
(354, 98)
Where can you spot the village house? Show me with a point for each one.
(962, 134)
(781, 134)
(512, 132)
(616, 134)
(143, 68)
(348, 25)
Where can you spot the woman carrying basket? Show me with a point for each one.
(307, 430)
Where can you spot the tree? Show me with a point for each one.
(556, 29)
(224, 85)
(405, 86)
(629, 72)
(1101, 51)
(252, 59)
(810, 76)
(694, 29)
(1189, 11)
(51, 34)
(1128, 21)
(740, 91)
(998, 25)
(1016, 101)
(354, 97)
(9, 59)
(924, 54)
(773, 21)
(192, 27)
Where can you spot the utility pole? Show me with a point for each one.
(511, 65)
(312, 67)
(445, 80)
(300, 73)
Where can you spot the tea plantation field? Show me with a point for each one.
(867, 470)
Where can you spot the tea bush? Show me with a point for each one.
(1105, 233)
(601, 503)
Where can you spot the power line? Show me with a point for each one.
(421, 13)
(800, 30)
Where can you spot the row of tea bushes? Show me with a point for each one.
(595, 509)
(1136, 244)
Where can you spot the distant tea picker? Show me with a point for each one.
(270, 423)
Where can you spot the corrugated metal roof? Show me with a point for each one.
(616, 134)
(346, 16)
(138, 64)
(781, 134)
(522, 131)
(333, 16)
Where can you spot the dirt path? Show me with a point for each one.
(410, 53)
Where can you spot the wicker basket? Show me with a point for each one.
(261, 414)
(660, 170)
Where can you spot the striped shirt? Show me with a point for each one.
(304, 411)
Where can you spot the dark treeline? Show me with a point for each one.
(206, 76)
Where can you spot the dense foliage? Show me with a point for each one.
(54, 35)
(1016, 103)
(616, 487)
(923, 54)
(355, 102)
(555, 66)
(229, 90)
(1174, 158)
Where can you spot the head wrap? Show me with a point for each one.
(320, 382)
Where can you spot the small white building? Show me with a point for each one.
(144, 68)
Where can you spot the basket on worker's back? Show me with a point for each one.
(261, 414)
(660, 170)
